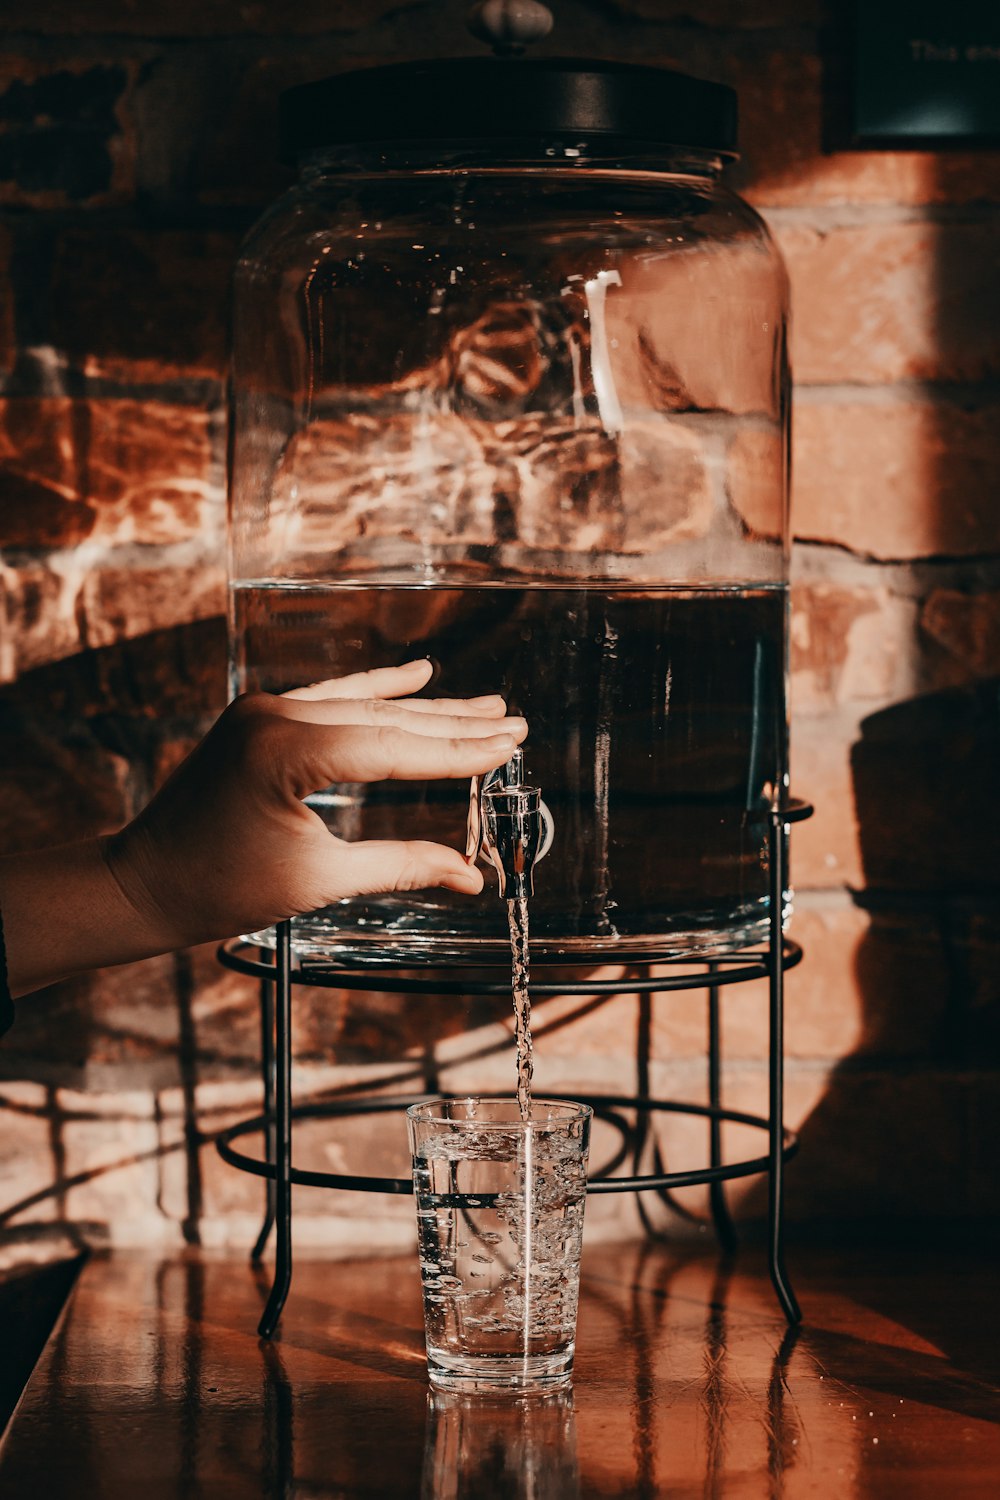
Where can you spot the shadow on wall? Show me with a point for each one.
(907, 1127)
(906, 1132)
(904, 1140)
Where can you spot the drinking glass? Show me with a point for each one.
(500, 1202)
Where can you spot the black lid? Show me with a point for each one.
(482, 98)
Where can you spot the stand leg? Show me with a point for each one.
(283, 1132)
(270, 1133)
(721, 1217)
(776, 1078)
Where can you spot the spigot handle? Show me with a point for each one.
(509, 825)
(512, 836)
(510, 774)
(474, 823)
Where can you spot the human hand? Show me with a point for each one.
(228, 845)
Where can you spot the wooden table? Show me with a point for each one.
(687, 1384)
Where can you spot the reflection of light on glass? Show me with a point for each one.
(523, 1447)
(930, 119)
(600, 354)
(579, 405)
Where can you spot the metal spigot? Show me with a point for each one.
(510, 825)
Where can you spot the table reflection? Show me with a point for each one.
(507, 1446)
(687, 1383)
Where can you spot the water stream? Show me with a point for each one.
(517, 915)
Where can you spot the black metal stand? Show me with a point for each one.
(736, 967)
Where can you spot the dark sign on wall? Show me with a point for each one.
(927, 74)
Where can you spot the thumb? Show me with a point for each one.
(372, 866)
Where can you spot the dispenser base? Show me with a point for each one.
(317, 941)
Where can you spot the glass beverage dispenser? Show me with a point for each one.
(510, 391)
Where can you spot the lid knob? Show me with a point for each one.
(509, 25)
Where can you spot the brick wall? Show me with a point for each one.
(136, 144)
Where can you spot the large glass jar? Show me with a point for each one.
(510, 390)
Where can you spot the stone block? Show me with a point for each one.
(107, 1156)
(851, 644)
(39, 618)
(195, 1183)
(756, 481)
(966, 627)
(207, 123)
(333, 473)
(28, 1160)
(882, 986)
(724, 14)
(65, 605)
(904, 800)
(141, 306)
(170, 1019)
(867, 644)
(876, 1145)
(826, 850)
(980, 1162)
(891, 479)
(222, 1017)
(976, 980)
(824, 1009)
(787, 160)
(684, 1139)
(576, 1028)
(926, 793)
(57, 787)
(199, 1188)
(66, 136)
(120, 603)
(113, 1027)
(873, 1144)
(109, 471)
(187, 18)
(8, 330)
(884, 302)
(675, 306)
(178, 672)
(360, 1028)
(666, 485)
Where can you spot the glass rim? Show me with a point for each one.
(565, 1112)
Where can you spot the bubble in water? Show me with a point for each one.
(472, 1145)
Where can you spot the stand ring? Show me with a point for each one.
(743, 966)
(602, 1104)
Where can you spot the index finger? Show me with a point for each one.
(355, 752)
(386, 682)
(380, 682)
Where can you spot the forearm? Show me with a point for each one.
(228, 843)
(64, 912)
